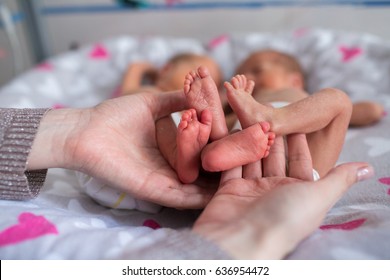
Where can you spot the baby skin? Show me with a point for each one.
(240, 148)
(202, 93)
(323, 117)
(192, 135)
(225, 151)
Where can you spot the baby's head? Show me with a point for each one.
(173, 73)
(272, 70)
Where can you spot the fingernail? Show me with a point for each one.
(365, 173)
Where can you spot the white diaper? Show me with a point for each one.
(279, 104)
(316, 176)
(112, 198)
(176, 117)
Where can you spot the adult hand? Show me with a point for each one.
(260, 212)
(115, 142)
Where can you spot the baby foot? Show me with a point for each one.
(192, 136)
(241, 148)
(270, 137)
(202, 93)
(247, 109)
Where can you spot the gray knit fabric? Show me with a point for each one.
(17, 132)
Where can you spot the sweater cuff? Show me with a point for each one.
(17, 134)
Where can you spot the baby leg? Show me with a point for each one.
(247, 109)
(333, 114)
(323, 116)
(240, 148)
(202, 93)
(192, 136)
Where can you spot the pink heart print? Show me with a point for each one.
(99, 52)
(45, 66)
(300, 32)
(386, 181)
(349, 52)
(345, 226)
(152, 224)
(58, 106)
(217, 41)
(29, 226)
(172, 2)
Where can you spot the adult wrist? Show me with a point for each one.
(244, 239)
(50, 149)
(240, 240)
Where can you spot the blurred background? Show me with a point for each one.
(32, 30)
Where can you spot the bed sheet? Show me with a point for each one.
(65, 223)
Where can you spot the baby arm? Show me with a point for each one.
(135, 73)
(366, 113)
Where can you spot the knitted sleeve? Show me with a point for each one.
(17, 132)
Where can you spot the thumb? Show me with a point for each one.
(227, 175)
(319, 197)
(340, 178)
(165, 103)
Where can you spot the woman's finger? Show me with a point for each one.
(252, 170)
(162, 105)
(340, 178)
(300, 165)
(233, 173)
(275, 163)
(289, 205)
